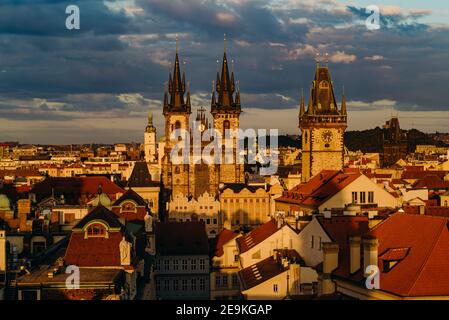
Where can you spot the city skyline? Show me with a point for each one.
(98, 83)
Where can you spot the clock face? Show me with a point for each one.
(327, 136)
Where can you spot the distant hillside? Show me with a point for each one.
(368, 141)
(372, 140)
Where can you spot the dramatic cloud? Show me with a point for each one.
(100, 81)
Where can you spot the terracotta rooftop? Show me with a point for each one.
(257, 235)
(320, 188)
(221, 239)
(424, 270)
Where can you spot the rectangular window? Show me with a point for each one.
(275, 288)
(193, 264)
(166, 265)
(166, 285)
(362, 197)
(208, 221)
(202, 264)
(175, 264)
(354, 197)
(236, 258)
(158, 285)
(158, 265)
(184, 264)
(193, 284)
(202, 284)
(176, 285)
(218, 281)
(184, 285)
(225, 280)
(235, 280)
(215, 221)
(371, 197)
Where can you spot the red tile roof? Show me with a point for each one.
(223, 238)
(256, 236)
(428, 211)
(320, 188)
(425, 270)
(431, 181)
(94, 252)
(412, 174)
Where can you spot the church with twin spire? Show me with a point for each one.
(194, 179)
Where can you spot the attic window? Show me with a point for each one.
(96, 231)
(392, 257)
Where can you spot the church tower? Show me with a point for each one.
(225, 110)
(150, 140)
(176, 110)
(322, 126)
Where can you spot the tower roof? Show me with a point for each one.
(175, 101)
(228, 100)
(323, 97)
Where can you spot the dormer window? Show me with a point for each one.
(392, 257)
(96, 230)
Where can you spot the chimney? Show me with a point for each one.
(330, 257)
(354, 253)
(3, 253)
(330, 263)
(370, 252)
(422, 210)
(327, 214)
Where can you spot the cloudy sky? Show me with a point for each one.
(98, 83)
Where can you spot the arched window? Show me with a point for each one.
(324, 84)
(177, 125)
(129, 207)
(96, 230)
(226, 126)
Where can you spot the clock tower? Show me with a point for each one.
(322, 125)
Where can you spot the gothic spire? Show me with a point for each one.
(225, 87)
(302, 108)
(176, 89)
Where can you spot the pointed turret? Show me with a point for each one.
(310, 109)
(214, 101)
(302, 107)
(226, 100)
(176, 91)
(343, 110)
